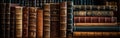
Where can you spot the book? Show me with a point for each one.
(46, 20)
(97, 28)
(95, 19)
(25, 21)
(18, 27)
(7, 20)
(94, 13)
(55, 20)
(69, 19)
(95, 7)
(2, 20)
(12, 21)
(32, 22)
(39, 23)
(63, 19)
(96, 34)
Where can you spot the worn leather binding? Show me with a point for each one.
(39, 23)
(63, 19)
(32, 22)
(19, 13)
(25, 21)
(46, 20)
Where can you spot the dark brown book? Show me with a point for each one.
(12, 20)
(63, 19)
(19, 13)
(54, 11)
(7, 20)
(25, 22)
(40, 23)
(95, 19)
(32, 22)
(2, 20)
(46, 21)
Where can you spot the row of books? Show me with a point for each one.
(54, 20)
(96, 19)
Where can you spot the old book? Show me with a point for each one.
(12, 22)
(46, 21)
(19, 13)
(25, 21)
(32, 22)
(94, 13)
(96, 28)
(96, 34)
(55, 20)
(2, 20)
(69, 19)
(7, 20)
(63, 19)
(95, 19)
(39, 23)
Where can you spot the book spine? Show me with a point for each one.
(95, 19)
(54, 11)
(97, 29)
(18, 11)
(32, 22)
(63, 19)
(40, 23)
(25, 22)
(46, 21)
(94, 13)
(12, 22)
(69, 19)
(7, 20)
(96, 34)
(2, 20)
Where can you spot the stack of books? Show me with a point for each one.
(95, 20)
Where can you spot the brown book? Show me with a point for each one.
(32, 22)
(46, 21)
(40, 23)
(25, 21)
(18, 10)
(96, 34)
(54, 11)
(63, 19)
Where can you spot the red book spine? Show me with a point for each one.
(40, 23)
(95, 19)
(25, 21)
